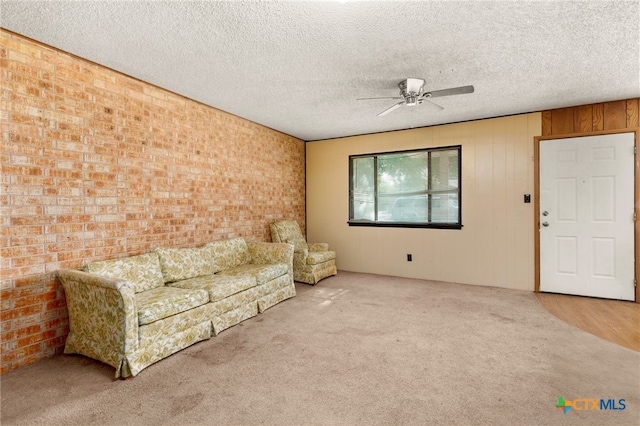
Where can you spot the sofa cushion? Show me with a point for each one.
(217, 286)
(143, 271)
(184, 263)
(318, 257)
(262, 273)
(229, 253)
(163, 302)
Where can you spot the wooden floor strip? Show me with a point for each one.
(613, 320)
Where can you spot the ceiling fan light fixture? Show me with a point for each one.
(414, 85)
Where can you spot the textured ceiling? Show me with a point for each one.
(298, 67)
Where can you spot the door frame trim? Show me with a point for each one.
(536, 197)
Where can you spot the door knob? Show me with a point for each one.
(545, 224)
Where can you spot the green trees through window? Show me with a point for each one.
(419, 188)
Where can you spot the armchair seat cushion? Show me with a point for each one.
(162, 302)
(318, 257)
(262, 273)
(217, 286)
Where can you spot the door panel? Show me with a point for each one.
(604, 252)
(567, 255)
(603, 200)
(586, 216)
(567, 199)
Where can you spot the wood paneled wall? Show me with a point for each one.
(591, 118)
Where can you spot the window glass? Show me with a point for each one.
(362, 183)
(409, 188)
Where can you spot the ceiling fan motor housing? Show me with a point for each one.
(411, 89)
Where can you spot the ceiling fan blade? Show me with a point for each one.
(391, 108)
(432, 103)
(385, 97)
(450, 92)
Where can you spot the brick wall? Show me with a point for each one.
(98, 165)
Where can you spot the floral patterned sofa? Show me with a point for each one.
(134, 311)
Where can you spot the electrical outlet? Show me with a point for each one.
(409, 258)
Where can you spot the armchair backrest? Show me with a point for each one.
(288, 231)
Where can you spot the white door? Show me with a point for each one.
(586, 216)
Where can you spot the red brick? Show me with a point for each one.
(32, 220)
(29, 240)
(19, 262)
(22, 170)
(18, 251)
(13, 293)
(75, 255)
(20, 333)
(25, 271)
(34, 300)
(15, 313)
(57, 343)
(56, 323)
(64, 228)
(25, 321)
(55, 304)
(35, 338)
(25, 351)
(99, 165)
(67, 264)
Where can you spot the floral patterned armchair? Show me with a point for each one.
(311, 261)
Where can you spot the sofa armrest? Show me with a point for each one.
(102, 313)
(270, 253)
(318, 246)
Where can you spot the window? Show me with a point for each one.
(419, 188)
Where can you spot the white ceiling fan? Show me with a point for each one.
(412, 93)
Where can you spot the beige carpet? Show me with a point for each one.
(356, 349)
